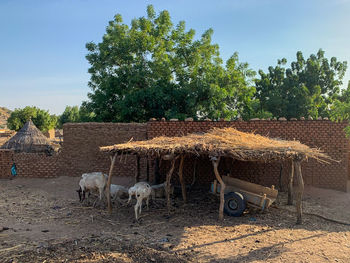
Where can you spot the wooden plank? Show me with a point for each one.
(253, 199)
(250, 187)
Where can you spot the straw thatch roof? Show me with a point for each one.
(222, 142)
(29, 139)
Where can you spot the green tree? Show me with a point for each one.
(85, 115)
(75, 114)
(308, 88)
(70, 114)
(155, 69)
(41, 118)
(340, 109)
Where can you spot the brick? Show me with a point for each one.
(80, 152)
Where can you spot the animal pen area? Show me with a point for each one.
(44, 221)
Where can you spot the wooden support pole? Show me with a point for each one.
(183, 186)
(194, 172)
(168, 183)
(216, 162)
(290, 185)
(299, 191)
(280, 178)
(137, 172)
(108, 187)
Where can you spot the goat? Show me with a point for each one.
(92, 181)
(118, 191)
(141, 190)
(159, 191)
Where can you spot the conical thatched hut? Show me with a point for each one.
(29, 139)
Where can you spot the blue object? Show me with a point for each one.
(14, 170)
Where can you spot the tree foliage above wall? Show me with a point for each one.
(155, 69)
(41, 118)
(75, 114)
(307, 88)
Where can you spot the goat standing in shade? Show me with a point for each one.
(117, 192)
(141, 190)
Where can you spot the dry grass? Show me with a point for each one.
(222, 142)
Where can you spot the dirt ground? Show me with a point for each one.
(42, 220)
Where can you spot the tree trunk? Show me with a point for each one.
(222, 187)
(108, 187)
(183, 186)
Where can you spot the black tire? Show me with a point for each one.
(234, 204)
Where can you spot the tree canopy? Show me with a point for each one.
(75, 114)
(307, 88)
(155, 69)
(41, 118)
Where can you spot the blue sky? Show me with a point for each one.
(42, 43)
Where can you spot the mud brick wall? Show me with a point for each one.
(324, 134)
(80, 152)
(6, 161)
(37, 165)
(81, 144)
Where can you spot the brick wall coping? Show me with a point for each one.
(70, 124)
(252, 120)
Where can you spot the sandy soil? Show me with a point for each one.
(43, 221)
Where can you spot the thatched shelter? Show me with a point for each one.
(217, 143)
(29, 139)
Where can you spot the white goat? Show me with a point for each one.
(141, 190)
(118, 191)
(90, 182)
(159, 191)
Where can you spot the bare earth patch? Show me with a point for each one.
(43, 221)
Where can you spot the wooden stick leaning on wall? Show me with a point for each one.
(299, 191)
(290, 184)
(108, 187)
(215, 162)
(183, 186)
